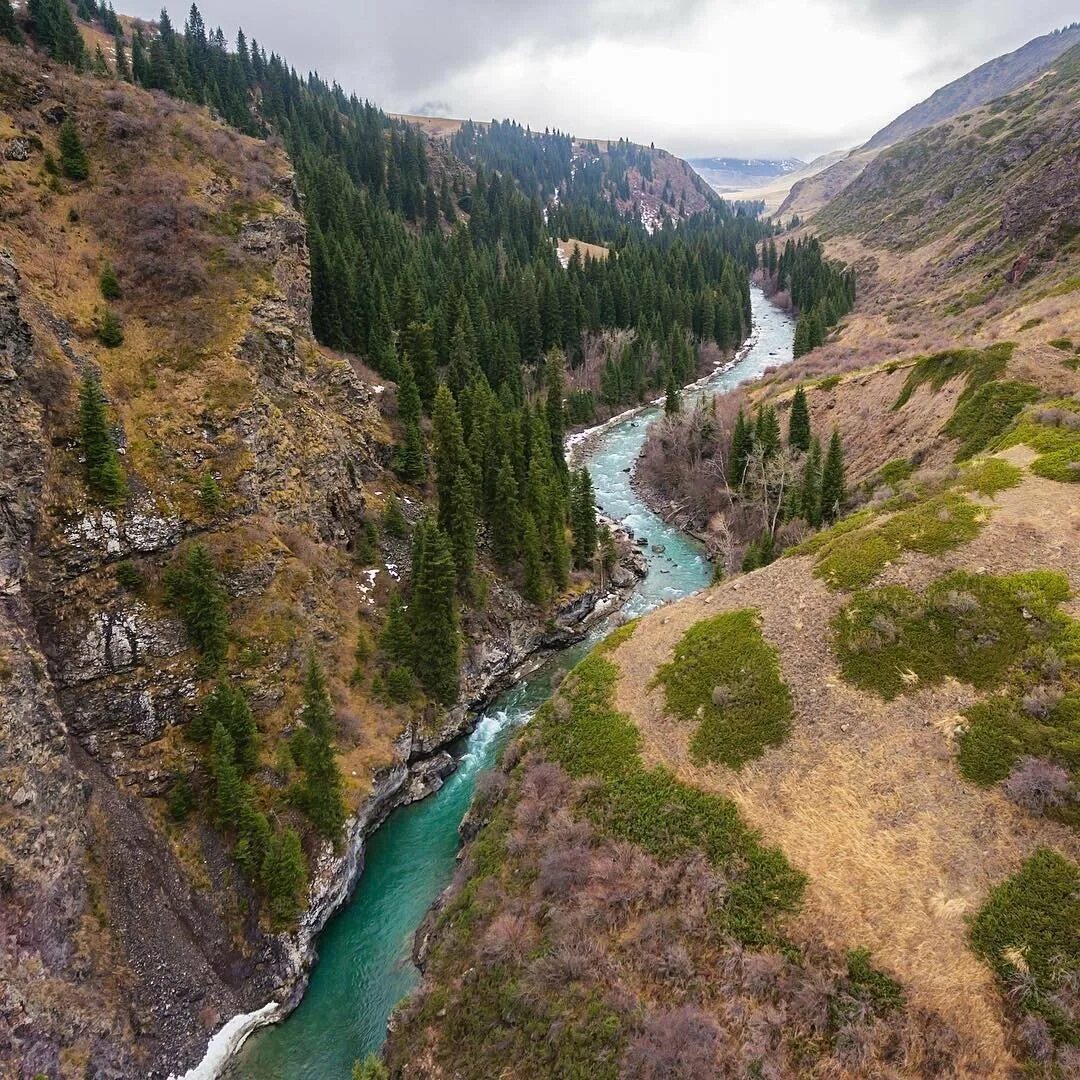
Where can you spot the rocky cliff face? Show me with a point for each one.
(130, 938)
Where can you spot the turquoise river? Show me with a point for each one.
(364, 966)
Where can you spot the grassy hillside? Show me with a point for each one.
(991, 80)
(994, 79)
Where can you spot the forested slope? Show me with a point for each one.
(283, 447)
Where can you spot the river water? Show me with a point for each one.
(365, 967)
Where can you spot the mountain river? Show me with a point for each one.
(365, 967)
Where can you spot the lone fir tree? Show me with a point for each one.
(319, 792)
(195, 590)
(73, 162)
(799, 422)
(832, 479)
(104, 477)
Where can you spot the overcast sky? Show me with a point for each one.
(699, 77)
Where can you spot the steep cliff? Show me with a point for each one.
(132, 934)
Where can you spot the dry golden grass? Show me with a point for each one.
(566, 249)
(865, 796)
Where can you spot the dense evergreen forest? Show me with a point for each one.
(442, 272)
(822, 291)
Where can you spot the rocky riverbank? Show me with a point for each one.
(422, 762)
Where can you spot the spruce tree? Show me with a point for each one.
(227, 705)
(110, 286)
(767, 431)
(123, 68)
(210, 494)
(583, 518)
(394, 523)
(195, 590)
(319, 792)
(434, 617)
(799, 422)
(450, 454)
(73, 162)
(284, 877)
(110, 332)
(397, 639)
(104, 478)
(505, 523)
(463, 530)
(672, 404)
(253, 836)
(228, 784)
(742, 443)
(554, 376)
(536, 586)
(9, 28)
(832, 479)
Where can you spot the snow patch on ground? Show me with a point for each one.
(228, 1040)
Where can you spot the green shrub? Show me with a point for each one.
(651, 808)
(988, 476)
(726, 677)
(1052, 429)
(854, 558)
(829, 382)
(978, 366)
(109, 331)
(1064, 344)
(892, 473)
(969, 626)
(987, 414)
(1028, 931)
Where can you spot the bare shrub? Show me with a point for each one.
(762, 971)
(509, 938)
(1040, 701)
(1035, 1032)
(958, 602)
(1038, 784)
(563, 870)
(547, 782)
(490, 788)
(574, 959)
(810, 1000)
(675, 1044)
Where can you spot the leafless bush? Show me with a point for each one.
(883, 629)
(563, 870)
(114, 99)
(546, 782)
(571, 960)
(1058, 417)
(49, 381)
(509, 938)
(1040, 701)
(121, 126)
(490, 788)
(1038, 785)
(810, 999)
(1035, 1032)
(762, 971)
(958, 602)
(677, 1044)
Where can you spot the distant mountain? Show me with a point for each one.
(988, 81)
(733, 174)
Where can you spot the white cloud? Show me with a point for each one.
(696, 76)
